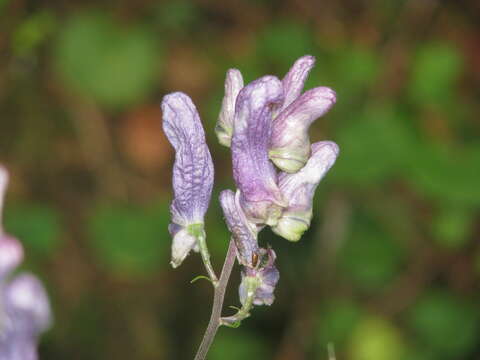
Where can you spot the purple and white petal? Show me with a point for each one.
(299, 189)
(254, 174)
(192, 172)
(265, 275)
(224, 127)
(244, 233)
(294, 81)
(290, 144)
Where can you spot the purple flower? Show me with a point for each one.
(264, 277)
(24, 306)
(244, 233)
(192, 173)
(259, 274)
(290, 144)
(254, 174)
(299, 189)
(224, 127)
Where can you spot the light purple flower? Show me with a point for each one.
(244, 233)
(24, 307)
(192, 173)
(224, 127)
(264, 275)
(290, 143)
(254, 174)
(299, 189)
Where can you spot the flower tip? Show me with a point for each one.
(291, 228)
(328, 150)
(183, 242)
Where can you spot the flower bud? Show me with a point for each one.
(224, 127)
(260, 279)
(299, 189)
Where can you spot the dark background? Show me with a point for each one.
(391, 266)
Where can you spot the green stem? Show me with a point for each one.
(202, 243)
(234, 321)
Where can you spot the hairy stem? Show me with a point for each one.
(218, 296)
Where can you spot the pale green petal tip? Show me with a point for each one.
(291, 229)
(224, 136)
(287, 160)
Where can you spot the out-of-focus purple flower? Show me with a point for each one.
(224, 127)
(264, 277)
(299, 189)
(192, 173)
(290, 144)
(254, 174)
(24, 306)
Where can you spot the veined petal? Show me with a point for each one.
(290, 144)
(299, 189)
(224, 127)
(192, 170)
(254, 175)
(294, 81)
(244, 233)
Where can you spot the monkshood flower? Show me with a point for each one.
(289, 146)
(24, 306)
(258, 282)
(253, 172)
(259, 274)
(299, 189)
(192, 174)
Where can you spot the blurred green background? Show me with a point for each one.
(389, 270)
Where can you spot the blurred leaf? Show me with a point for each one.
(337, 321)
(36, 226)
(237, 345)
(284, 42)
(451, 227)
(114, 64)
(32, 32)
(370, 257)
(355, 69)
(178, 16)
(376, 339)
(373, 147)
(448, 174)
(435, 69)
(446, 324)
(130, 241)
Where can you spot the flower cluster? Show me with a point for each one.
(24, 305)
(276, 169)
